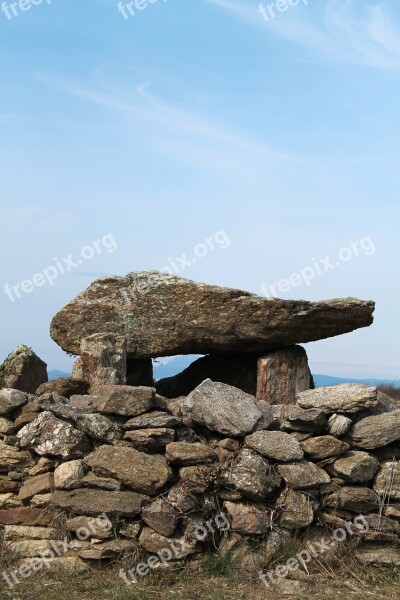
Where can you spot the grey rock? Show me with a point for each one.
(10, 400)
(387, 481)
(353, 499)
(322, 447)
(222, 408)
(375, 431)
(96, 426)
(303, 475)
(64, 386)
(347, 398)
(125, 400)
(277, 445)
(23, 370)
(339, 424)
(103, 359)
(153, 420)
(251, 475)
(294, 418)
(356, 467)
(161, 517)
(296, 510)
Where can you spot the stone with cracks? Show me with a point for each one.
(143, 473)
(125, 400)
(339, 424)
(40, 484)
(251, 475)
(161, 517)
(179, 316)
(303, 475)
(248, 519)
(96, 502)
(356, 467)
(10, 400)
(375, 431)
(387, 481)
(222, 408)
(23, 370)
(354, 499)
(13, 459)
(282, 375)
(153, 420)
(49, 436)
(346, 398)
(103, 360)
(184, 453)
(324, 446)
(277, 445)
(296, 510)
(96, 426)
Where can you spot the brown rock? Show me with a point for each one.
(356, 467)
(283, 374)
(11, 458)
(183, 453)
(23, 370)
(325, 446)
(161, 517)
(64, 386)
(276, 445)
(26, 516)
(248, 519)
(125, 400)
(85, 501)
(303, 475)
(296, 510)
(354, 499)
(37, 485)
(103, 360)
(251, 475)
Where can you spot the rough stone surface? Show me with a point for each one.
(10, 400)
(40, 484)
(294, 418)
(154, 542)
(64, 386)
(277, 445)
(375, 431)
(150, 440)
(251, 475)
(125, 400)
(69, 475)
(13, 533)
(12, 458)
(325, 446)
(222, 408)
(296, 510)
(373, 554)
(26, 516)
(23, 370)
(354, 499)
(161, 517)
(387, 481)
(141, 472)
(339, 424)
(200, 319)
(96, 426)
(86, 527)
(282, 375)
(303, 475)
(153, 420)
(347, 398)
(103, 360)
(52, 437)
(96, 502)
(183, 453)
(248, 519)
(356, 467)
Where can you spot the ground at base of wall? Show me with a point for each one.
(211, 581)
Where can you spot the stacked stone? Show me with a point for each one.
(160, 468)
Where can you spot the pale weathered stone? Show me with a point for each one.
(182, 498)
(84, 501)
(387, 481)
(23, 370)
(161, 517)
(183, 453)
(319, 448)
(177, 316)
(103, 359)
(222, 408)
(106, 550)
(356, 467)
(103, 483)
(251, 475)
(373, 554)
(282, 375)
(199, 477)
(249, 519)
(9, 501)
(7, 486)
(339, 424)
(151, 440)
(375, 431)
(347, 398)
(53, 437)
(125, 400)
(86, 528)
(296, 510)
(141, 472)
(277, 445)
(177, 546)
(33, 548)
(10, 400)
(69, 475)
(13, 533)
(96, 426)
(7, 427)
(303, 475)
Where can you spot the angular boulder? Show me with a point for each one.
(96, 502)
(387, 481)
(125, 400)
(375, 431)
(248, 519)
(64, 386)
(251, 475)
(345, 398)
(143, 473)
(10, 400)
(282, 375)
(356, 467)
(96, 426)
(222, 408)
(277, 445)
(172, 315)
(303, 475)
(23, 370)
(103, 359)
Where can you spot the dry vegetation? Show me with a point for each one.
(391, 390)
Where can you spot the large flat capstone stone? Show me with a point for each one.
(164, 315)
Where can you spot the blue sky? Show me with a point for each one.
(195, 120)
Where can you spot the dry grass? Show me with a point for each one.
(391, 390)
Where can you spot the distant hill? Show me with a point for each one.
(328, 380)
(55, 374)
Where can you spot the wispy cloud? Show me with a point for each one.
(366, 33)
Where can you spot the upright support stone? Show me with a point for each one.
(140, 372)
(283, 374)
(103, 360)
